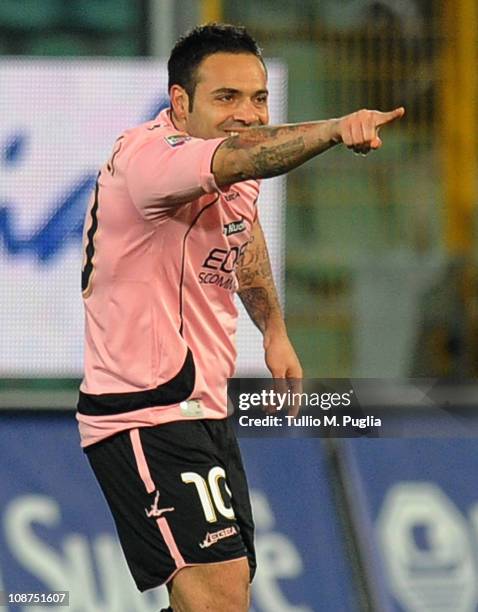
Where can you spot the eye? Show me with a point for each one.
(261, 99)
(226, 97)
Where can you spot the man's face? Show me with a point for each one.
(231, 92)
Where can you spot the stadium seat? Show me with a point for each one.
(279, 15)
(29, 14)
(104, 15)
(58, 45)
(120, 46)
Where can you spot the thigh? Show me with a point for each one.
(167, 488)
(212, 588)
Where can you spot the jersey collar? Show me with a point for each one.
(165, 118)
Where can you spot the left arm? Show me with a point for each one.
(259, 296)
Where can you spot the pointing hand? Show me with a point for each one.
(359, 131)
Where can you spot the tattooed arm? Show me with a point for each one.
(259, 296)
(256, 285)
(263, 152)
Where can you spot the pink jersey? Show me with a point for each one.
(161, 242)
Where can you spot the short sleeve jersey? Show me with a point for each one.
(161, 243)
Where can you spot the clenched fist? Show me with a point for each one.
(359, 131)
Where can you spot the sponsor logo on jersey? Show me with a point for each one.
(155, 511)
(235, 227)
(232, 195)
(175, 140)
(222, 263)
(220, 280)
(213, 538)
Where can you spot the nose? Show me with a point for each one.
(246, 113)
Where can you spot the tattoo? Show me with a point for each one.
(254, 264)
(258, 135)
(264, 152)
(257, 304)
(256, 284)
(271, 161)
(265, 158)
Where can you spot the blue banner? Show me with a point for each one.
(56, 532)
(422, 497)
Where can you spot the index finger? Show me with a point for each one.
(384, 118)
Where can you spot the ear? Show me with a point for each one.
(179, 102)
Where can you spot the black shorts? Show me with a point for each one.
(178, 494)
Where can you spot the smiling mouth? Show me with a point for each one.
(231, 131)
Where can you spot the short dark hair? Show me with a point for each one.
(192, 48)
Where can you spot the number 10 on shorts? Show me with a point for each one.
(210, 494)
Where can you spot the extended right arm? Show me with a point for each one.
(263, 152)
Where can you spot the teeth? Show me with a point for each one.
(234, 133)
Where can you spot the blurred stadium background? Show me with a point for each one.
(381, 281)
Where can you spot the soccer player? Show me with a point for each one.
(172, 232)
